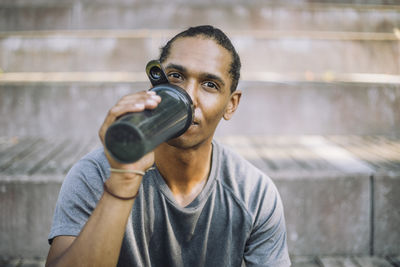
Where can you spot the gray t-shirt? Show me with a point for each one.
(236, 219)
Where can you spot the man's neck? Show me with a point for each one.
(184, 170)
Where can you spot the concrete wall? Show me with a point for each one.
(78, 109)
(27, 206)
(386, 214)
(237, 14)
(327, 214)
(282, 44)
(130, 51)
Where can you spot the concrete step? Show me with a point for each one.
(340, 192)
(329, 183)
(261, 51)
(353, 15)
(77, 109)
(319, 261)
(336, 261)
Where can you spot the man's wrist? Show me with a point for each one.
(138, 172)
(108, 191)
(124, 185)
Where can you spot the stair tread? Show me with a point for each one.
(280, 155)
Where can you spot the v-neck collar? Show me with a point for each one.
(205, 192)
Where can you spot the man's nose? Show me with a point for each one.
(192, 89)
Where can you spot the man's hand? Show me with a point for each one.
(122, 184)
(130, 103)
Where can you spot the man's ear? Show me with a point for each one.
(232, 104)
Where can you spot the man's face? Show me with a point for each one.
(201, 67)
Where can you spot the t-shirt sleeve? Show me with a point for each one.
(267, 244)
(79, 194)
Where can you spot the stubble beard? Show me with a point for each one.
(190, 141)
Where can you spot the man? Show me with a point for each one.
(201, 205)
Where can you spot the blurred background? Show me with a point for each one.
(320, 111)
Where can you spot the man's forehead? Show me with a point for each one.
(199, 53)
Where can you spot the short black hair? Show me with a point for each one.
(219, 37)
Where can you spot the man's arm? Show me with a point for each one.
(100, 240)
(58, 247)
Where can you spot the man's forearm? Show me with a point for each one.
(99, 242)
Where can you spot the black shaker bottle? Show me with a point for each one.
(134, 134)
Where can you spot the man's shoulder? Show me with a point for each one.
(91, 167)
(97, 154)
(96, 157)
(235, 166)
(245, 181)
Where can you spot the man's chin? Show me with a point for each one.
(182, 142)
(187, 141)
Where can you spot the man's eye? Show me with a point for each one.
(175, 76)
(210, 85)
